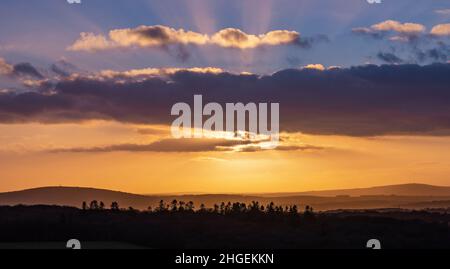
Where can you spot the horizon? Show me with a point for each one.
(237, 193)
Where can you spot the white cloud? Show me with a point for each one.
(159, 35)
(405, 28)
(441, 30)
(5, 68)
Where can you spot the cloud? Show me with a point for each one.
(257, 148)
(443, 11)
(166, 145)
(26, 69)
(235, 38)
(411, 39)
(163, 36)
(23, 74)
(64, 68)
(155, 36)
(153, 131)
(402, 31)
(382, 29)
(358, 101)
(405, 28)
(91, 42)
(191, 145)
(5, 68)
(308, 42)
(441, 30)
(156, 72)
(364, 31)
(439, 53)
(389, 58)
(319, 67)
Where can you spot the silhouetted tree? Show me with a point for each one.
(279, 210)
(84, 205)
(190, 206)
(270, 208)
(115, 206)
(181, 206)
(93, 205)
(228, 208)
(309, 212)
(174, 205)
(216, 208)
(162, 206)
(254, 207)
(293, 210)
(102, 205)
(222, 208)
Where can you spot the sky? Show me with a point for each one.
(86, 92)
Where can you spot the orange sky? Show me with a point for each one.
(28, 159)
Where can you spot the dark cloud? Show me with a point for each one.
(359, 101)
(389, 57)
(190, 145)
(64, 68)
(308, 42)
(156, 32)
(366, 32)
(439, 53)
(416, 45)
(180, 52)
(26, 69)
(167, 145)
(255, 148)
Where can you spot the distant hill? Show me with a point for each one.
(400, 190)
(397, 196)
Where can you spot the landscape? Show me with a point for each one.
(225, 124)
(407, 196)
(401, 216)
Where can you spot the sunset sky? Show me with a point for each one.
(86, 92)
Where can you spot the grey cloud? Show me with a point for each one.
(358, 101)
(416, 45)
(189, 145)
(389, 57)
(256, 148)
(26, 69)
(309, 42)
(165, 145)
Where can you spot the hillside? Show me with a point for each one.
(405, 196)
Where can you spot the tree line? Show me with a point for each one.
(222, 208)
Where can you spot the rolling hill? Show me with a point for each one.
(398, 196)
(400, 190)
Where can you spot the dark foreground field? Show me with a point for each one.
(234, 228)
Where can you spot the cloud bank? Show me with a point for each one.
(161, 36)
(357, 101)
(189, 145)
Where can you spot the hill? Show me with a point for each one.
(412, 189)
(398, 196)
